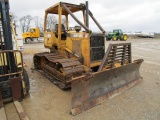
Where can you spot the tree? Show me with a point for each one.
(39, 23)
(64, 21)
(51, 22)
(25, 22)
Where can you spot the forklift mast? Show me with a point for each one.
(6, 40)
(11, 69)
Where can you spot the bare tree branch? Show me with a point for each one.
(38, 23)
(13, 16)
(25, 22)
(51, 22)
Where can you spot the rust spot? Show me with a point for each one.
(16, 88)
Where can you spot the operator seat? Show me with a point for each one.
(63, 31)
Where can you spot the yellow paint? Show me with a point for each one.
(125, 37)
(114, 38)
(94, 64)
(18, 57)
(49, 39)
(53, 39)
(33, 33)
(117, 64)
(3, 58)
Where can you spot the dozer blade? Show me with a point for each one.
(93, 89)
(87, 93)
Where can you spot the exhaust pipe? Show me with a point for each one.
(87, 15)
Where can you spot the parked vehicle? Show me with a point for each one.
(33, 33)
(146, 35)
(117, 34)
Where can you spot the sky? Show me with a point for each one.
(128, 15)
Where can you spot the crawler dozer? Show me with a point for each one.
(77, 59)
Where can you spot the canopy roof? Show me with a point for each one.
(72, 7)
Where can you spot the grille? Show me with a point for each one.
(97, 49)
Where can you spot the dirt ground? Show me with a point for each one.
(142, 102)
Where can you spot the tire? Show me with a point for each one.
(26, 80)
(114, 38)
(27, 40)
(124, 37)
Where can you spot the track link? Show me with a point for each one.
(54, 66)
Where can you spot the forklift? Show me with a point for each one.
(14, 81)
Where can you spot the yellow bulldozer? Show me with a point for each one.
(78, 60)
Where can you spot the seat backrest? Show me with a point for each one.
(62, 27)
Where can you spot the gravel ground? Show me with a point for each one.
(142, 102)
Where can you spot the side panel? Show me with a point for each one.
(80, 44)
(49, 39)
(77, 47)
(86, 50)
(69, 42)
